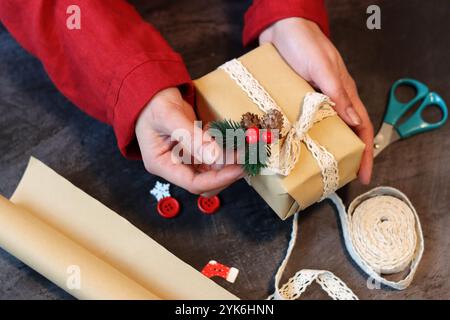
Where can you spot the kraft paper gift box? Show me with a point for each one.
(220, 97)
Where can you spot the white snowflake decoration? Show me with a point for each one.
(161, 190)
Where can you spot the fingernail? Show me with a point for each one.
(209, 153)
(209, 194)
(364, 178)
(354, 117)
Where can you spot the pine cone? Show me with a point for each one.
(272, 120)
(249, 120)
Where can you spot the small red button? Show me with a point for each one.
(168, 207)
(208, 205)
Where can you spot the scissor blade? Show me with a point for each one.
(384, 137)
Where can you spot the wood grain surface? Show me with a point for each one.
(414, 42)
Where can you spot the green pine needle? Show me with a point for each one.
(237, 141)
(230, 141)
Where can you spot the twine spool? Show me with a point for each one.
(382, 234)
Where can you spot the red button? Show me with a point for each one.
(208, 205)
(168, 207)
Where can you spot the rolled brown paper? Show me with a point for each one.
(51, 225)
(52, 254)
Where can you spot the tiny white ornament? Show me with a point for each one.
(160, 190)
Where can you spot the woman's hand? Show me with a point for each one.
(309, 52)
(164, 114)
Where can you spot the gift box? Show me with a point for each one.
(224, 95)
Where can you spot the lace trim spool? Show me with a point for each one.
(302, 279)
(315, 108)
(383, 235)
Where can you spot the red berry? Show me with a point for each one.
(252, 135)
(267, 137)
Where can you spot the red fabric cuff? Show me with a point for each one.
(135, 90)
(264, 13)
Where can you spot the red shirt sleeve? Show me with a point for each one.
(110, 68)
(263, 13)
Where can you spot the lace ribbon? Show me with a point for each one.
(383, 235)
(298, 284)
(316, 107)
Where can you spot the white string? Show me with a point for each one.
(383, 235)
(296, 285)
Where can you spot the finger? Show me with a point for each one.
(192, 138)
(364, 131)
(330, 83)
(212, 193)
(365, 170)
(229, 156)
(215, 192)
(195, 182)
(205, 168)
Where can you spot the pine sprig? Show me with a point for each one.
(252, 167)
(223, 125)
(229, 141)
(254, 162)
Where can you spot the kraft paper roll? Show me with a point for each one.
(51, 225)
(52, 254)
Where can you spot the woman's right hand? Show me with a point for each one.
(166, 113)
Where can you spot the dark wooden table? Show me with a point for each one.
(413, 42)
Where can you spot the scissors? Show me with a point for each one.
(390, 131)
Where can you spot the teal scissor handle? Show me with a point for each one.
(395, 108)
(416, 124)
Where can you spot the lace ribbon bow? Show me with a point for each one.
(316, 107)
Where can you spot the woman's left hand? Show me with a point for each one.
(312, 55)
